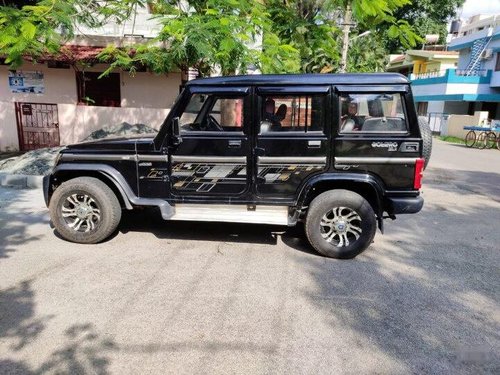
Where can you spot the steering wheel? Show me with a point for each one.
(212, 124)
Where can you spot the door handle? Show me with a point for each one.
(234, 143)
(314, 144)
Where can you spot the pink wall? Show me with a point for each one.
(145, 98)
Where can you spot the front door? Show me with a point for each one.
(211, 160)
(292, 139)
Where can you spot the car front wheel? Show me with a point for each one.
(340, 224)
(84, 210)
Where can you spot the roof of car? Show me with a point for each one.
(304, 79)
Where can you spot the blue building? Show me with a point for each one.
(474, 85)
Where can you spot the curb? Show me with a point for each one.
(21, 181)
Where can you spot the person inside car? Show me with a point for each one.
(351, 120)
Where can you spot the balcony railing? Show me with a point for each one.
(448, 74)
(471, 73)
(432, 74)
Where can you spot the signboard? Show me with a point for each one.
(22, 82)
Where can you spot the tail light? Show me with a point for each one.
(419, 172)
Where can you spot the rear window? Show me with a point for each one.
(372, 113)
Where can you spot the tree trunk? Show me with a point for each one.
(346, 31)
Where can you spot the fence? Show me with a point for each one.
(437, 121)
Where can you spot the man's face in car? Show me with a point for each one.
(353, 109)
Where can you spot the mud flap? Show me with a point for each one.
(380, 220)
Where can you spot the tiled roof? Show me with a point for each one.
(77, 53)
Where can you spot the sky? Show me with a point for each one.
(473, 7)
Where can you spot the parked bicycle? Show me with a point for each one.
(481, 137)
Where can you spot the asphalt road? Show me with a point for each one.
(215, 298)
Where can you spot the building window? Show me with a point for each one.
(497, 65)
(96, 91)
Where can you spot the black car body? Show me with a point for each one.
(260, 149)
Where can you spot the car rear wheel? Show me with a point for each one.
(84, 210)
(340, 224)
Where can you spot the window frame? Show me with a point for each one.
(81, 89)
(264, 92)
(216, 93)
(362, 133)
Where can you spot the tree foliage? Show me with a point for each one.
(427, 17)
(306, 26)
(228, 36)
(30, 28)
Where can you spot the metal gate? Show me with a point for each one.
(37, 125)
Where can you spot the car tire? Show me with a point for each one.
(340, 224)
(426, 134)
(85, 210)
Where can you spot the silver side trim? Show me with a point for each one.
(231, 213)
(376, 160)
(291, 160)
(209, 159)
(98, 157)
(152, 158)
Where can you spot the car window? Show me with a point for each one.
(292, 113)
(369, 113)
(212, 113)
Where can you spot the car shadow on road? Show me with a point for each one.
(150, 221)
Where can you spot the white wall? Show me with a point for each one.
(456, 123)
(145, 98)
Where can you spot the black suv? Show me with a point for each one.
(337, 152)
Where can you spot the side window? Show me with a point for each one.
(372, 113)
(212, 113)
(292, 113)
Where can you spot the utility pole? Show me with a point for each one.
(345, 45)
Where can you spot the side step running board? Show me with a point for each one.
(231, 213)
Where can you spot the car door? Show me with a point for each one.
(374, 135)
(292, 140)
(211, 159)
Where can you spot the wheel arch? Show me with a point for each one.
(364, 184)
(105, 173)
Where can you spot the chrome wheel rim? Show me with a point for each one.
(81, 212)
(341, 226)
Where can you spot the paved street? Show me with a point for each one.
(177, 298)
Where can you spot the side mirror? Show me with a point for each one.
(176, 135)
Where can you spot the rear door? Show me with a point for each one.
(373, 133)
(211, 160)
(292, 138)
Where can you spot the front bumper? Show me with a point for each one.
(405, 205)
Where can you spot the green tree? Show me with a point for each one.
(362, 59)
(307, 26)
(427, 17)
(313, 28)
(225, 35)
(30, 28)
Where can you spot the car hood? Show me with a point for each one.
(111, 144)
